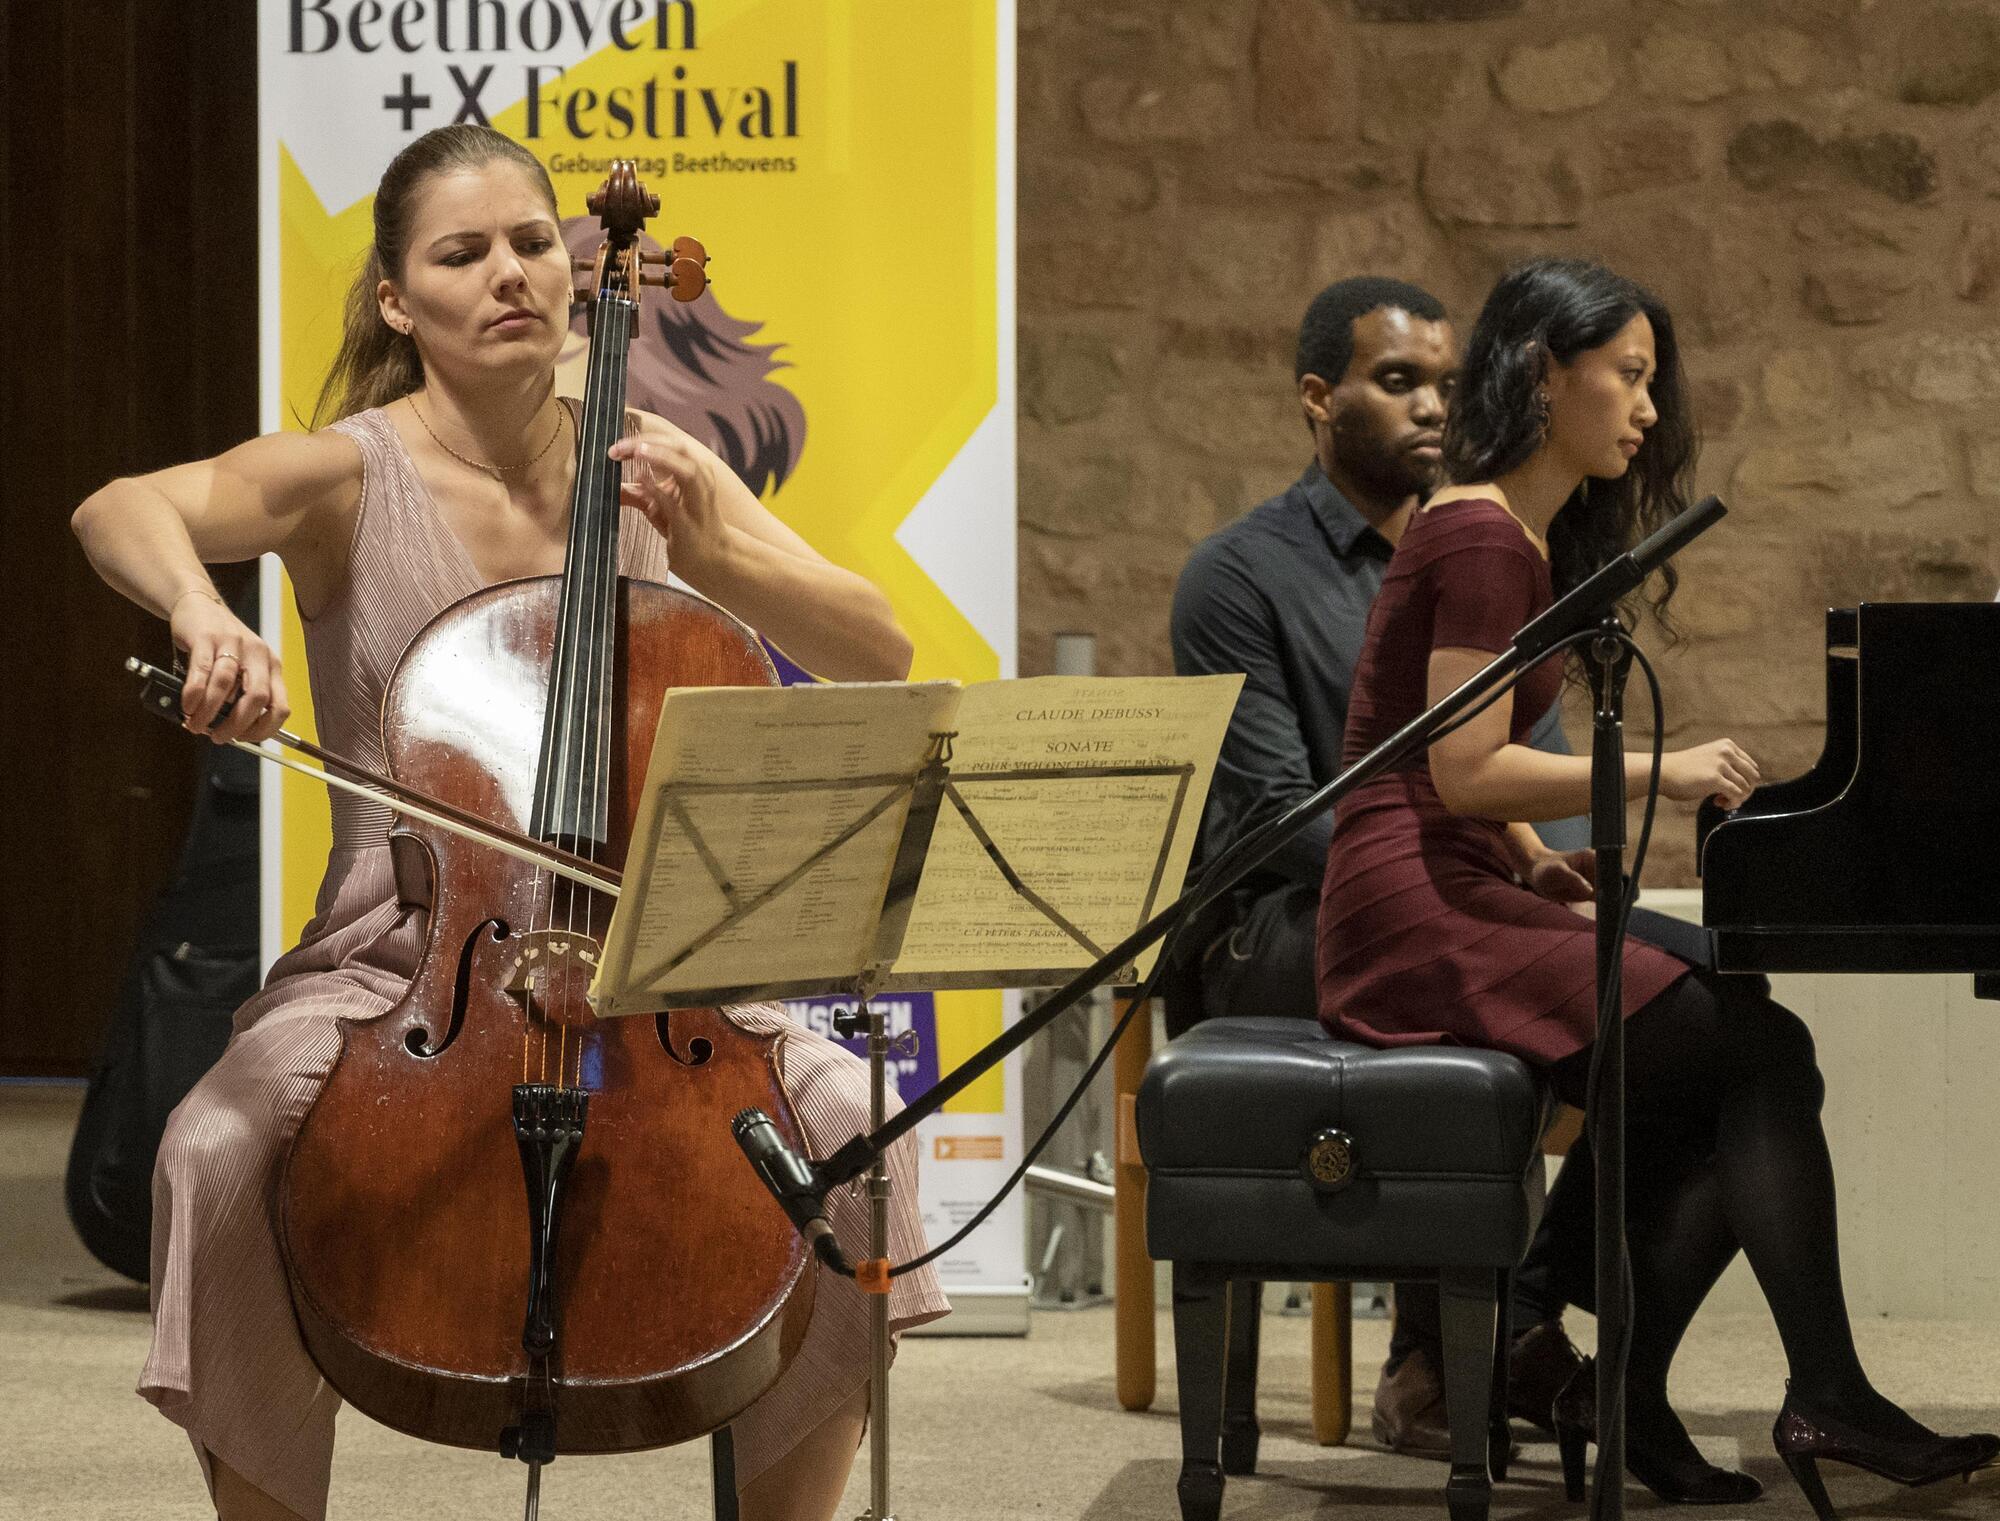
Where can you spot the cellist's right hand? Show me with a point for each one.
(226, 659)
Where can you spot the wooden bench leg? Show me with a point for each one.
(1332, 1363)
(1133, 1311)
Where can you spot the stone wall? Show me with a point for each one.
(1812, 185)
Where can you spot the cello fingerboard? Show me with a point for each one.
(573, 779)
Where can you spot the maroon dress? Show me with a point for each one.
(1425, 935)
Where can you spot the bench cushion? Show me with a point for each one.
(1445, 1165)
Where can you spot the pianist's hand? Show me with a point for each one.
(1722, 770)
(1566, 876)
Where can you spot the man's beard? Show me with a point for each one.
(1398, 474)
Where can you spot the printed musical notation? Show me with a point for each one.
(772, 820)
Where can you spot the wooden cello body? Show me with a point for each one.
(506, 1221)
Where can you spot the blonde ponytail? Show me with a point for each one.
(376, 364)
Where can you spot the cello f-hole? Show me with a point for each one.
(699, 1050)
(417, 1041)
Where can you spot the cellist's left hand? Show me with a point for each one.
(673, 481)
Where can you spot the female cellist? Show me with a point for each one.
(449, 468)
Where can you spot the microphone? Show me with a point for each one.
(792, 1184)
(1590, 599)
(1674, 535)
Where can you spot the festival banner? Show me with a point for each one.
(849, 166)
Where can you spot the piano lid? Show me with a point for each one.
(1885, 856)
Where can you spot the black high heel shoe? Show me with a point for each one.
(1923, 1458)
(1542, 1360)
(1677, 1481)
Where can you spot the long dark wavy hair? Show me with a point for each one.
(1549, 311)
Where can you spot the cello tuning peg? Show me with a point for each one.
(583, 266)
(681, 286)
(652, 256)
(688, 279)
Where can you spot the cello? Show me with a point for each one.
(503, 1219)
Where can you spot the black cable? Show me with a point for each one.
(1138, 1002)
(1198, 898)
(1504, 689)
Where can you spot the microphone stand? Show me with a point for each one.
(1589, 604)
(1608, 661)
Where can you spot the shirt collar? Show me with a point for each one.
(1345, 528)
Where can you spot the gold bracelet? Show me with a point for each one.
(196, 591)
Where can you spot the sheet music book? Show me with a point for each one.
(776, 852)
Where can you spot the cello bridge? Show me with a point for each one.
(547, 962)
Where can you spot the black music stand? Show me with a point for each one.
(666, 969)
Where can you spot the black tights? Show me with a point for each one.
(1724, 1150)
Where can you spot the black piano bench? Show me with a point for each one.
(1273, 1151)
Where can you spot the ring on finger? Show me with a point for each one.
(228, 655)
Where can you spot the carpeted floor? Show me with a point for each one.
(999, 1430)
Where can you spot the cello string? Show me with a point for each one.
(585, 671)
(584, 665)
(583, 658)
(611, 529)
(604, 581)
(578, 572)
(576, 585)
(551, 775)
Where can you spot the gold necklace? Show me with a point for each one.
(498, 472)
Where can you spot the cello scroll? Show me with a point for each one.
(622, 266)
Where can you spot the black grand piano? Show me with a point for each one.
(1885, 856)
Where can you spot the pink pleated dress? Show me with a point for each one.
(227, 1362)
(1425, 936)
